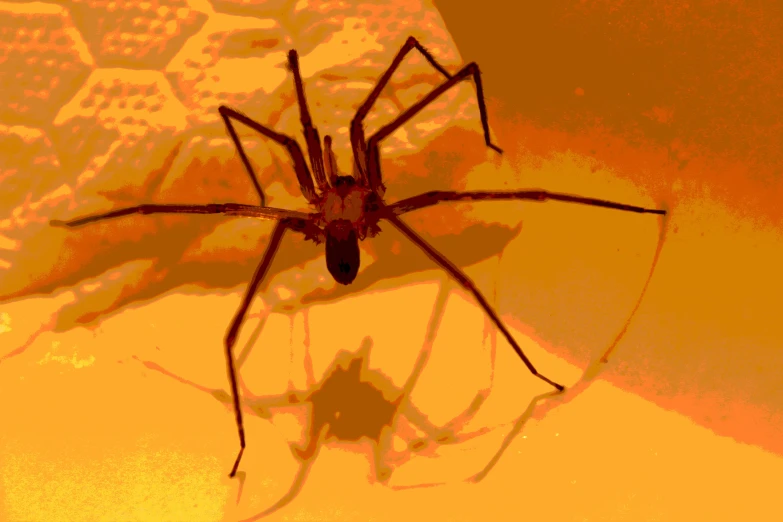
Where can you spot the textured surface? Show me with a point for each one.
(112, 379)
(129, 114)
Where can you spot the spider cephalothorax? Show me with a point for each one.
(346, 217)
(348, 208)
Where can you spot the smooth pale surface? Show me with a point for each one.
(96, 440)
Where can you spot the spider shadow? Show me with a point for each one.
(354, 405)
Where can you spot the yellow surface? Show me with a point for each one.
(93, 440)
(112, 375)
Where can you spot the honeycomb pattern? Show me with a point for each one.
(135, 35)
(43, 59)
(21, 146)
(109, 104)
(212, 68)
(123, 116)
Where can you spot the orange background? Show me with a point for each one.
(650, 103)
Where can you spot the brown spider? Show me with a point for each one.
(347, 209)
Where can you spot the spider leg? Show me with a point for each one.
(231, 209)
(432, 198)
(373, 159)
(330, 162)
(310, 132)
(259, 405)
(236, 323)
(358, 142)
(294, 151)
(468, 285)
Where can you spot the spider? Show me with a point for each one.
(348, 208)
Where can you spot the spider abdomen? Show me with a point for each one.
(342, 250)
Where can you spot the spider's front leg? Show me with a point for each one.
(310, 132)
(358, 142)
(470, 71)
(294, 151)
